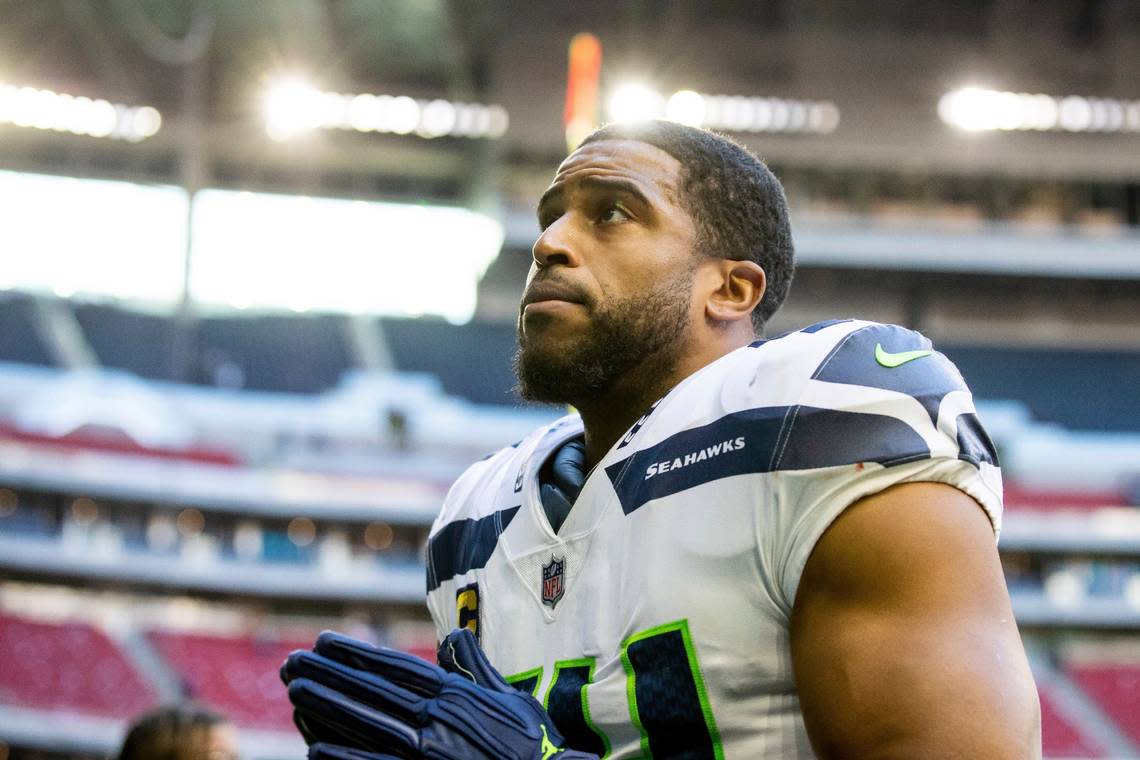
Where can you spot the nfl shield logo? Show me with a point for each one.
(552, 574)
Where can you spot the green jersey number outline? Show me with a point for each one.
(657, 661)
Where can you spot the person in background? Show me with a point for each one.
(180, 732)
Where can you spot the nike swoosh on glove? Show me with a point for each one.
(354, 701)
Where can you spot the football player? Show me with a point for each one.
(736, 548)
(185, 731)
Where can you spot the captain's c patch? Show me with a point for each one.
(467, 606)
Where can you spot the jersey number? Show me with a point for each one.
(667, 699)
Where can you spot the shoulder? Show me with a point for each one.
(889, 357)
(855, 352)
(879, 407)
(775, 386)
(801, 402)
(854, 390)
(774, 369)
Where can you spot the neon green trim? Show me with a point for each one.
(702, 693)
(581, 662)
(891, 361)
(695, 671)
(590, 721)
(535, 673)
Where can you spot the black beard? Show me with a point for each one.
(640, 333)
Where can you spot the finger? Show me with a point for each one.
(306, 734)
(407, 670)
(333, 752)
(369, 689)
(333, 718)
(316, 732)
(283, 671)
(460, 653)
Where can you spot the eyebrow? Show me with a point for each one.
(613, 184)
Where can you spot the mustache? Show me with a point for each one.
(550, 288)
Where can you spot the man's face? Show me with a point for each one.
(611, 285)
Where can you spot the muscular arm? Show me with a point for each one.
(902, 636)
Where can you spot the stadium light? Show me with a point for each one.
(437, 118)
(732, 113)
(73, 236)
(736, 113)
(977, 109)
(686, 107)
(59, 112)
(338, 255)
(634, 101)
(403, 117)
(293, 106)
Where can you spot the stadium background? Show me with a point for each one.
(260, 262)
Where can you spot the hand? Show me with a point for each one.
(354, 701)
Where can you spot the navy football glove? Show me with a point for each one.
(353, 701)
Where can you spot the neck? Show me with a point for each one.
(608, 417)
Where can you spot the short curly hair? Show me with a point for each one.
(737, 204)
(173, 732)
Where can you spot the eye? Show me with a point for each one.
(545, 219)
(613, 212)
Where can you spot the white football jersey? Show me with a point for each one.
(655, 623)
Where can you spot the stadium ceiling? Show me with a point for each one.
(132, 49)
(885, 64)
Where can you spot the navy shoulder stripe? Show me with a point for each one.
(762, 440)
(896, 359)
(826, 438)
(821, 325)
(464, 545)
(809, 329)
(974, 444)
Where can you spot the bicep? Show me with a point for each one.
(903, 639)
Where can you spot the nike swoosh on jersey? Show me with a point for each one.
(890, 360)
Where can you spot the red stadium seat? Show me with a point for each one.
(1116, 689)
(1060, 737)
(1023, 498)
(68, 667)
(237, 676)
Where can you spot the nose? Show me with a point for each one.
(554, 246)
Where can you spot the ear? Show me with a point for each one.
(739, 289)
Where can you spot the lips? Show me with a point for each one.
(551, 291)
